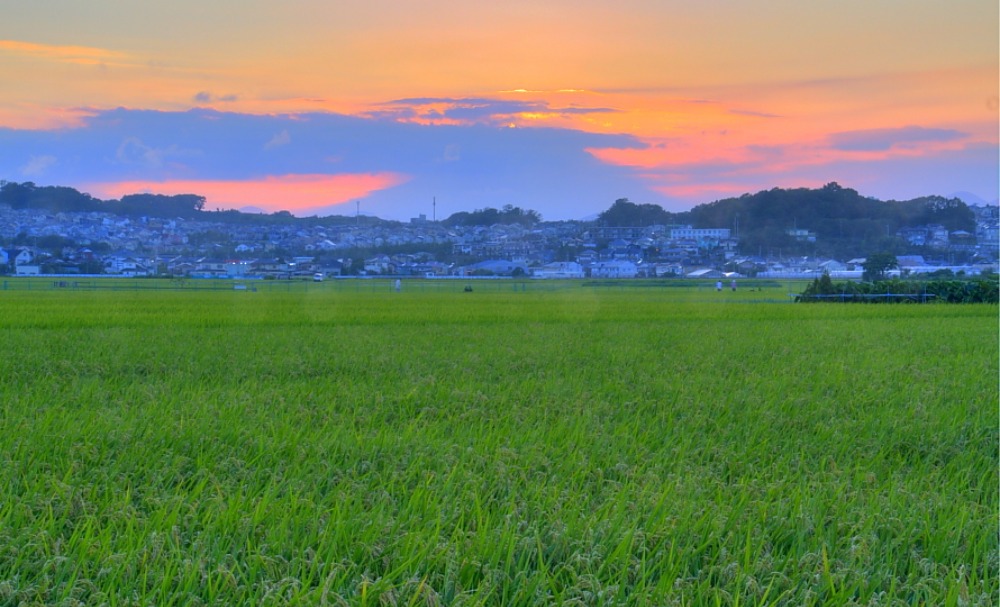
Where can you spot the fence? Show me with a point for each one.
(869, 297)
(371, 285)
(749, 291)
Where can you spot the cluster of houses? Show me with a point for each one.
(107, 244)
(125, 264)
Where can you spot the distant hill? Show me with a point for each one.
(61, 199)
(509, 214)
(972, 200)
(843, 221)
(832, 220)
(57, 199)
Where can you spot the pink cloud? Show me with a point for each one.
(35, 117)
(83, 55)
(295, 193)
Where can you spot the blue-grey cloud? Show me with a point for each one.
(37, 166)
(280, 139)
(755, 114)
(477, 109)
(207, 97)
(465, 166)
(974, 167)
(876, 140)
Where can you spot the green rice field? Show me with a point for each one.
(557, 444)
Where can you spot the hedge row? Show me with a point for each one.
(981, 290)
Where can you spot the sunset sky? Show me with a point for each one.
(559, 106)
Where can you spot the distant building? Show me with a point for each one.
(28, 270)
(559, 269)
(494, 267)
(802, 235)
(699, 234)
(614, 269)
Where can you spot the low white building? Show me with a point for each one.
(28, 270)
(616, 268)
(699, 234)
(559, 269)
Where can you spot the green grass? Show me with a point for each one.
(565, 445)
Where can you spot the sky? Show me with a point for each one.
(408, 107)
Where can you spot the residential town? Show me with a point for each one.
(93, 243)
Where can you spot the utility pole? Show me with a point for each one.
(357, 212)
(434, 207)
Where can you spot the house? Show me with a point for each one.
(830, 266)
(125, 264)
(801, 235)
(331, 268)
(209, 268)
(275, 268)
(137, 270)
(618, 248)
(15, 257)
(559, 269)
(914, 236)
(669, 269)
(616, 268)
(237, 268)
(494, 267)
(380, 264)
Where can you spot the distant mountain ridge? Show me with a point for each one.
(831, 220)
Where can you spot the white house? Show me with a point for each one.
(559, 269)
(831, 265)
(124, 264)
(16, 257)
(617, 268)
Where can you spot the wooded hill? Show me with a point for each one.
(843, 221)
(61, 199)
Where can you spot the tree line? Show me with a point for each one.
(61, 199)
(843, 222)
(985, 289)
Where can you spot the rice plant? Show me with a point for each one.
(582, 445)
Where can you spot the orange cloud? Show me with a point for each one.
(294, 193)
(84, 55)
(32, 116)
